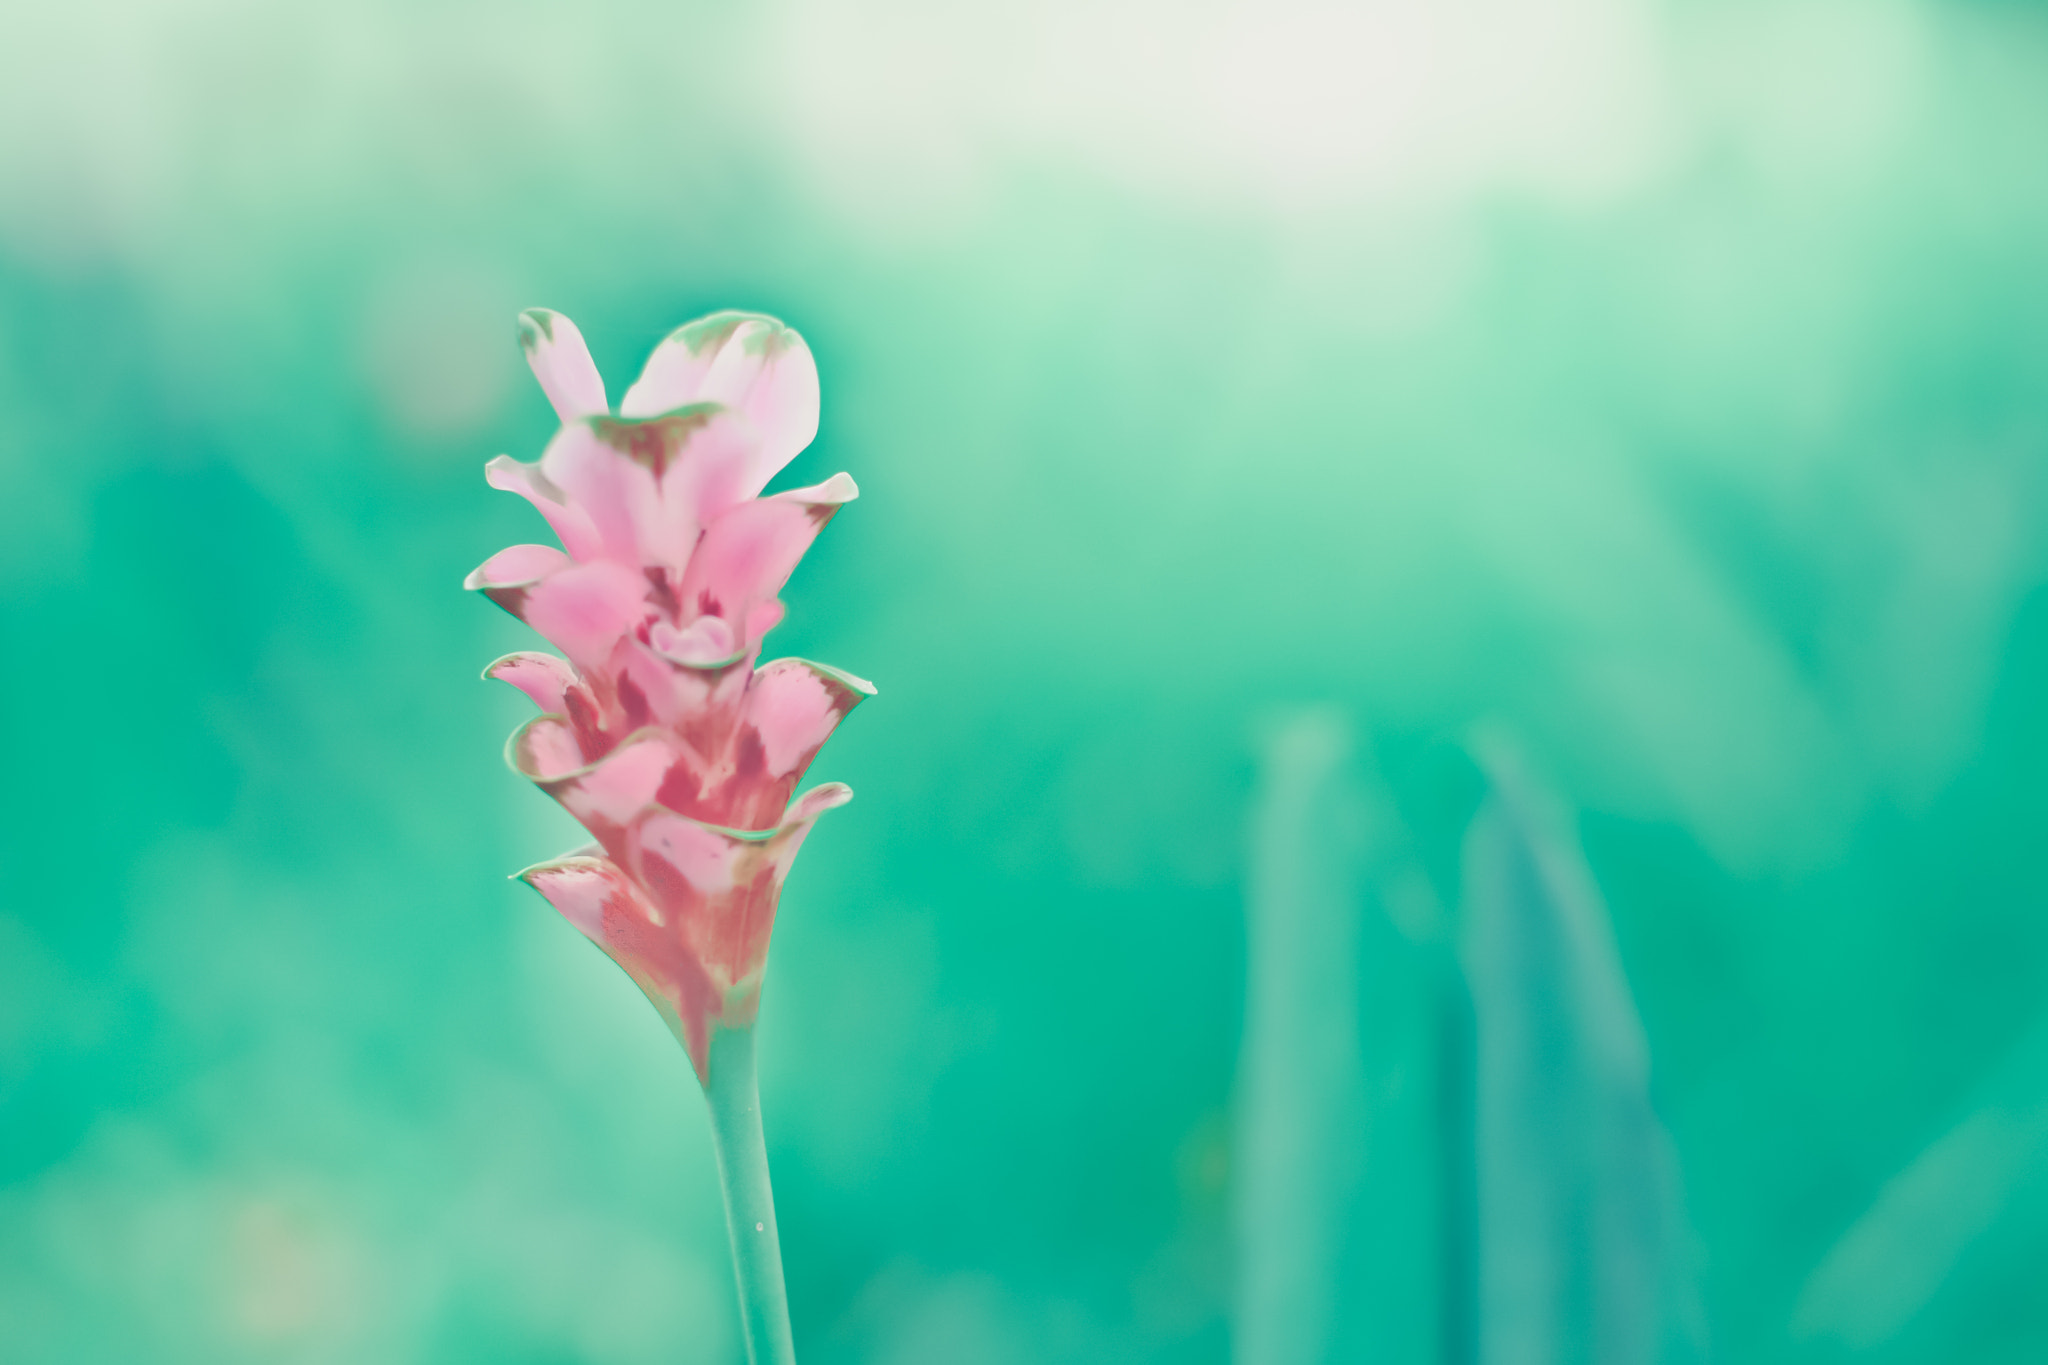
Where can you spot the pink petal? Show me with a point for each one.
(584, 609)
(812, 804)
(572, 524)
(580, 885)
(543, 677)
(701, 704)
(648, 487)
(651, 682)
(840, 488)
(606, 488)
(738, 767)
(707, 642)
(516, 566)
(763, 617)
(793, 707)
(703, 856)
(612, 912)
(690, 921)
(747, 554)
(562, 364)
(719, 887)
(545, 750)
(747, 362)
(606, 794)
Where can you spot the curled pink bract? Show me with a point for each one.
(658, 730)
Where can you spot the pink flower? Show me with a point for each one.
(658, 732)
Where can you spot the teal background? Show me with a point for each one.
(1664, 384)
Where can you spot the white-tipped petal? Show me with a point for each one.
(561, 362)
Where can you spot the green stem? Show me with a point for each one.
(735, 1100)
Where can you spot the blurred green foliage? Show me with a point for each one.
(1668, 383)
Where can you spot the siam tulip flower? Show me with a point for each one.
(658, 731)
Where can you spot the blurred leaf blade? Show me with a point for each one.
(1584, 1250)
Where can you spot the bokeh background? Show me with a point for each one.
(1250, 402)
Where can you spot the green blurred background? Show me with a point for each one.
(1664, 384)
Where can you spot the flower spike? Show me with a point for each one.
(657, 732)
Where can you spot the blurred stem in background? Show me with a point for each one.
(733, 1093)
(1457, 1172)
(1971, 1188)
(1301, 1104)
(1355, 1076)
(1582, 1231)
(1514, 1070)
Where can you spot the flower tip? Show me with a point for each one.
(815, 802)
(516, 566)
(560, 360)
(851, 680)
(544, 678)
(584, 858)
(531, 875)
(536, 325)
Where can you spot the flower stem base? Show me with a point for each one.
(733, 1094)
